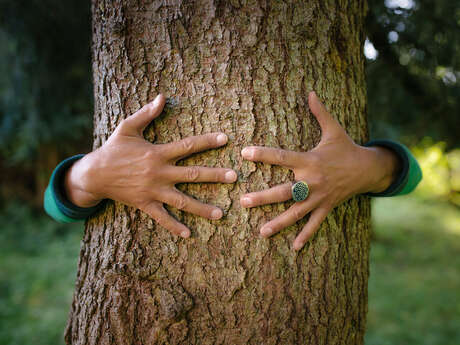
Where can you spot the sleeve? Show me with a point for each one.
(410, 174)
(56, 203)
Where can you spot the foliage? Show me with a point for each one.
(45, 83)
(414, 81)
(38, 262)
(441, 171)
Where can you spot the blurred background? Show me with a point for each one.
(413, 75)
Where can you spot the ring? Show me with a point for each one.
(300, 191)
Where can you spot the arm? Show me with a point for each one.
(335, 170)
(131, 170)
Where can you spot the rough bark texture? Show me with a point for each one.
(245, 68)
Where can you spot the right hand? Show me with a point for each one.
(131, 170)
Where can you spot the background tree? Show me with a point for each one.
(45, 91)
(414, 80)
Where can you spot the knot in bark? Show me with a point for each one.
(174, 302)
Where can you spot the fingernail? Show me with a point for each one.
(156, 100)
(247, 153)
(185, 234)
(216, 214)
(266, 231)
(230, 176)
(221, 139)
(246, 201)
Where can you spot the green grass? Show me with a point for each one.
(414, 288)
(38, 262)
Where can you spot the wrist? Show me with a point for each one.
(382, 166)
(77, 183)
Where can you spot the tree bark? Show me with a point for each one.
(245, 68)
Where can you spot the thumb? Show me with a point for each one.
(141, 118)
(325, 119)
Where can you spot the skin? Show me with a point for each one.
(335, 170)
(131, 170)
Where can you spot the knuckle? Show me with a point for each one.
(180, 202)
(192, 174)
(187, 145)
(298, 213)
(314, 158)
(124, 124)
(149, 172)
(328, 205)
(150, 156)
(219, 175)
(150, 108)
(159, 218)
(211, 140)
(280, 155)
(286, 193)
(321, 180)
(162, 151)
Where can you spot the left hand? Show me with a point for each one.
(129, 169)
(335, 170)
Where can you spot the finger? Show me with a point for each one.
(141, 118)
(188, 204)
(316, 218)
(278, 193)
(289, 217)
(272, 155)
(185, 147)
(325, 119)
(202, 174)
(163, 218)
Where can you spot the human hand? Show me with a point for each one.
(335, 170)
(131, 170)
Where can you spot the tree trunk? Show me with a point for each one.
(242, 67)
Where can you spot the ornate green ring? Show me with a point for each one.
(300, 191)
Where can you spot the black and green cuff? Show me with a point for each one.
(410, 174)
(56, 203)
